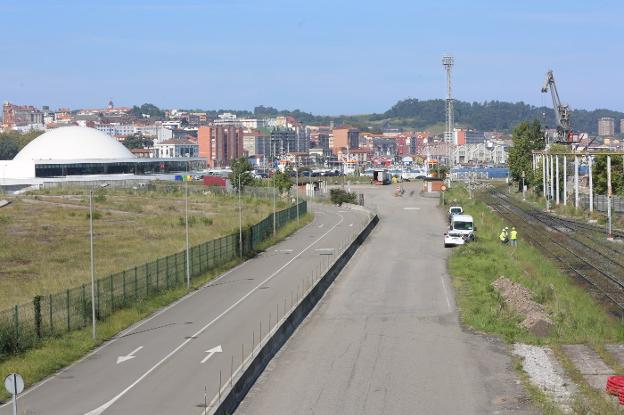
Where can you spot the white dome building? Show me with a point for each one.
(71, 153)
(68, 144)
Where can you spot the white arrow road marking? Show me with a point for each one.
(411, 208)
(131, 355)
(212, 351)
(99, 410)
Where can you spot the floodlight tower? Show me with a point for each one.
(448, 62)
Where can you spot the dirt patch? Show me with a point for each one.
(520, 299)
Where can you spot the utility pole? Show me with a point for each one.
(186, 225)
(557, 179)
(591, 184)
(609, 193)
(576, 182)
(240, 218)
(565, 181)
(297, 192)
(448, 62)
(92, 264)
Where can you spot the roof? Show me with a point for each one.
(73, 143)
(462, 218)
(179, 141)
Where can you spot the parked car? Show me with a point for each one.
(452, 238)
(454, 210)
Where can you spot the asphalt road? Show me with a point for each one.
(386, 339)
(174, 361)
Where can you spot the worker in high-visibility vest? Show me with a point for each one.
(513, 236)
(504, 238)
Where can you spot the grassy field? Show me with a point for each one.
(45, 235)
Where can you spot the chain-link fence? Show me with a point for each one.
(25, 325)
(601, 202)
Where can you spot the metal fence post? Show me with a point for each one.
(37, 311)
(51, 319)
(136, 285)
(112, 295)
(16, 321)
(98, 314)
(83, 302)
(67, 304)
(123, 283)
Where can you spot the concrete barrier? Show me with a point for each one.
(243, 384)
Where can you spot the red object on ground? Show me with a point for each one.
(615, 385)
(214, 181)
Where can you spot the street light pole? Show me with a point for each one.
(297, 192)
(240, 219)
(186, 223)
(92, 262)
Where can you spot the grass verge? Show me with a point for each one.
(53, 354)
(578, 318)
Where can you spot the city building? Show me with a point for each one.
(482, 153)
(319, 136)
(220, 144)
(255, 143)
(606, 127)
(283, 141)
(345, 137)
(622, 126)
(21, 116)
(463, 136)
(176, 148)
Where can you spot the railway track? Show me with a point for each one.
(579, 248)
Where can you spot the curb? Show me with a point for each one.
(243, 384)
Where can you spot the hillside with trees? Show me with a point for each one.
(430, 114)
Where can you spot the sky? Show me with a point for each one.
(325, 57)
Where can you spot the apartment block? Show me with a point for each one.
(220, 144)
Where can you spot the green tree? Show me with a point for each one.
(283, 181)
(599, 175)
(137, 141)
(8, 147)
(241, 168)
(12, 142)
(526, 137)
(147, 109)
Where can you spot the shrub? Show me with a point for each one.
(96, 215)
(339, 196)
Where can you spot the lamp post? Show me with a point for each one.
(297, 191)
(186, 225)
(240, 219)
(92, 260)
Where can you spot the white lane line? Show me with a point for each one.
(411, 208)
(131, 355)
(99, 410)
(351, 225)
(321, 225)
(287, 251)
(446, 294)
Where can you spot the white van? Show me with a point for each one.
(464, 225)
